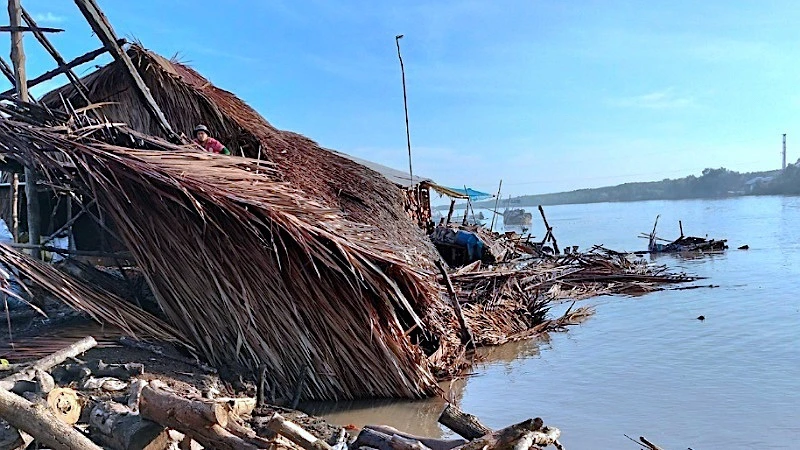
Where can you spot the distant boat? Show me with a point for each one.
(517, 216)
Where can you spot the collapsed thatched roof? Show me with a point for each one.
(188, 99)
(248, 270)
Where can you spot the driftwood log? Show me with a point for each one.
(48, 362)
(41, 423)
(520, 436)
(431, 443)
(371, 438)
(203, 421)
(120, 429)
(463, 424)
(295, 433)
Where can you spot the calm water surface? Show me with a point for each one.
(646, 366)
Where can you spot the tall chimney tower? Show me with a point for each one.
(783, 167)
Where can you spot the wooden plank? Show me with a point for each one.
(102, 28)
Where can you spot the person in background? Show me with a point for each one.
(208, 143)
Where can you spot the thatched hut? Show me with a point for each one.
(363, 198)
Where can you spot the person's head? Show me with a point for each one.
(201, 133)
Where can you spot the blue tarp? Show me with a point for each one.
(472, 193)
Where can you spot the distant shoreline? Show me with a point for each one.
(712, 184)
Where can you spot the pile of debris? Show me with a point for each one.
(62, 402)
(684, 244)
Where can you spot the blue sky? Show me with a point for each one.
(547, 95)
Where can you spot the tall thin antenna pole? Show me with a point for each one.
(405, 105)
(783, 167)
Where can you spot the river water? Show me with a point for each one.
(646, 365)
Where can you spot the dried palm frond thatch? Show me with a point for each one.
(250, 271)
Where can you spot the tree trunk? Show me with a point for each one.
(203, 421)
(120, 429)
(465, 425)
(65, 405)
(42, 424)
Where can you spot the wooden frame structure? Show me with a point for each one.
(21, 21)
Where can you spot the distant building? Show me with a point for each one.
(757, 182)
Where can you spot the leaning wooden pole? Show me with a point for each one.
(102, 28)
(18, 60)
(496, 199)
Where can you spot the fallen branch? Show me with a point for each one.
(48, 362)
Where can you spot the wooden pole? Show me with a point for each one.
(74, 79)
(102, 28)
(450, 211)
(466, 333)
(549, 231)
(83, 59)
(18, 60)
(405, 106)
(14, 188)
(496, 199)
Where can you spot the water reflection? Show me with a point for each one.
(645, 365)
(420, 417)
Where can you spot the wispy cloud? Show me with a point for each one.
(663, 99)
(48, 17)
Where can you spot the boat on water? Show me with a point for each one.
(517, 216)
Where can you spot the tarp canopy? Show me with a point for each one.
(462, 193)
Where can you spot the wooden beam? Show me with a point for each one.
(35, 29)
(102, 28)
(8, 72)
(18, 59)
(74, 79)
(83, 59)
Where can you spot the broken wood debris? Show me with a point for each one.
(155, 416)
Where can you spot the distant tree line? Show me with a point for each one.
(712, 183)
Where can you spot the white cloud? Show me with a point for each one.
(664, 99)
(48, 17)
